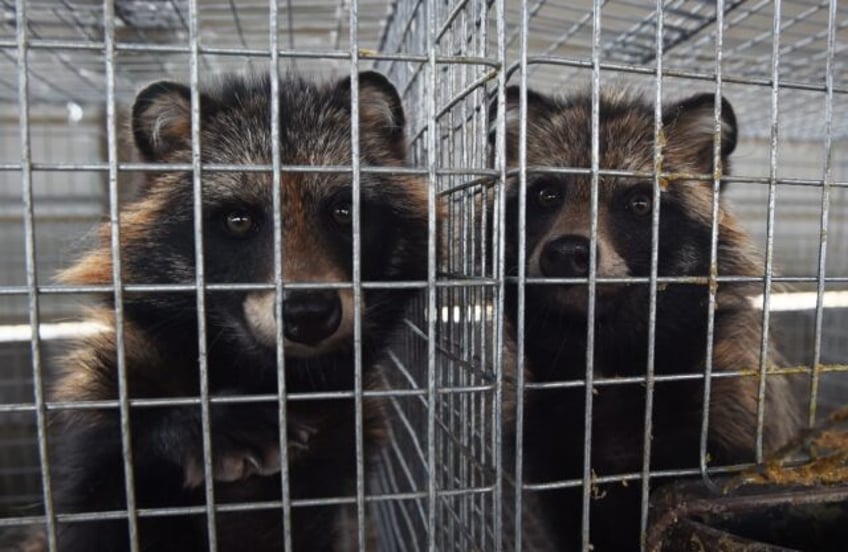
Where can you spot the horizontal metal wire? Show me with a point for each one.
(253, 168)
(464, 283)
(241, 399)
(677, 73)
(634, 476)
(238, 507)
(48, 44)
(451, 62)
(184, 288)
(410, 171)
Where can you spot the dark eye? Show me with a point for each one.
(548, 196)
(240, 223)
(640, 204)
(342, 212)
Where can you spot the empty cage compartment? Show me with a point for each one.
(459, 377)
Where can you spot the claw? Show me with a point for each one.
(302, 432)
(192, 474)
(253, 466)
(298, 445)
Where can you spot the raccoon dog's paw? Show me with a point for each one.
(246, 442)
(300, 434)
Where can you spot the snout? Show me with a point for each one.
(314, 321)
(566, 257)
(310, 317)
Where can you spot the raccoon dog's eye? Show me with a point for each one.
(240, 224)
(640, 204)
(342, 212)
(549, 196)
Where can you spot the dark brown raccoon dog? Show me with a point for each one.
(161, 335)
(557, 246)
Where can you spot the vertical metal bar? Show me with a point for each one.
(772, 187)
(713, 283)
(447, 157)
(432, 313)
(444, 446)
(827, 185)
(31, 271)
(593, 271)
(498, 243)
(520, 323)
(481, 328)
(115, 243)
(652, 284)
(200, 273)
(467, 123)
(357, 270)
(276, 193)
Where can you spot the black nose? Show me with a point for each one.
(566, 257)
(311, 316)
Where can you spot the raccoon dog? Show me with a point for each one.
(557, 246)
(161, 329)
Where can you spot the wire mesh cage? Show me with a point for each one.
(456, 389)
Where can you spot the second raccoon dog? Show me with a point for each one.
(557, 246)
(161, 329)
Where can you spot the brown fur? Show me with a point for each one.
(559, 134)
(160, 330)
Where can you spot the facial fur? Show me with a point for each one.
(160, 329)
(238, 220)
(558, 205)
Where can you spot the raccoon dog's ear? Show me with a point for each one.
(161, 119)
(380, 110)
(690, 128)
(537, 106)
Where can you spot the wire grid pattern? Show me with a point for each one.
(66, 41)
(67, 205)
(559, 48)
(449, 135)
(561, 34)
(32, 291)
(19, 475)
(598, 55)
(447, 62)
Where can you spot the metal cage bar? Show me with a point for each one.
(276, 181)
(31, 277)
(115, 241)
(357, 274)
(200, 275)
(447, 478)
(714, 218)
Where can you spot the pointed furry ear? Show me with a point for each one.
(537, 105)
(380, 110)
(161, 119)
(690, 127)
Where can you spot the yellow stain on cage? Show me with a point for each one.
(597, 493)
(659, 145)
(826, 448)
(718, 172)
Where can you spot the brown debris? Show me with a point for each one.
(826, 450)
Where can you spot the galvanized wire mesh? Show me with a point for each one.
(449, 440)
(68, 68)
